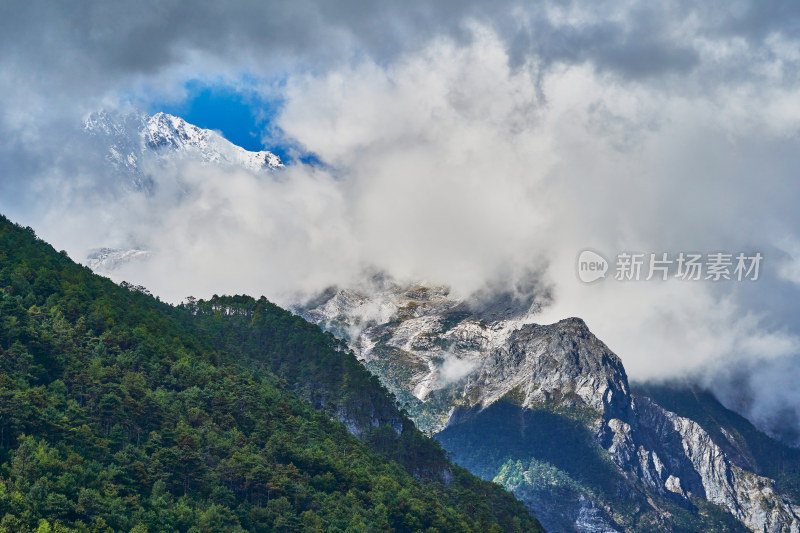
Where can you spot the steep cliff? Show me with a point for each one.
(547, 410)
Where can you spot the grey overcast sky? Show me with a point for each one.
(468, 143)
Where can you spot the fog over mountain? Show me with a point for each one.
(481, 148)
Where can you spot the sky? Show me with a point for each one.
(223, 109)
(478, 145)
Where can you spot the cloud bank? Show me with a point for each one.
(461, 145)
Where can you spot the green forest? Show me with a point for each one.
(119, 412)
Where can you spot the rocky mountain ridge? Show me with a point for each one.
(451, 360)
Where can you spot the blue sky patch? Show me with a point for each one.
(242, 117)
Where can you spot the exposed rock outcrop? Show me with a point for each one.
(456, 361)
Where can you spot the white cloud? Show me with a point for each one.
(456, 168)
(460, 153)
(454, 369)
(452, 167)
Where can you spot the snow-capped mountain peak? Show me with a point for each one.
(130, 138)
(164, 131)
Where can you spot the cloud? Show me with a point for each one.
(463, 190)
(454, 369)
(56, 53)
(464, 143)
(456, 168)
(212, 230)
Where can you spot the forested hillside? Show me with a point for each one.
(122, 413)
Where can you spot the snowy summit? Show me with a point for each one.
(132, 137)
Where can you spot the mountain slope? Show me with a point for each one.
(121, 413)
(740, 439)
(528, 405)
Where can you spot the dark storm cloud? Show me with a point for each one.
(103, 39)
(758, 20)
(62, 60)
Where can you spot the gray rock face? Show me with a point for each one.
(591, 519)
(444, 353)
(104, 260)
(357, 426)
(561, 362)
(677, 455)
